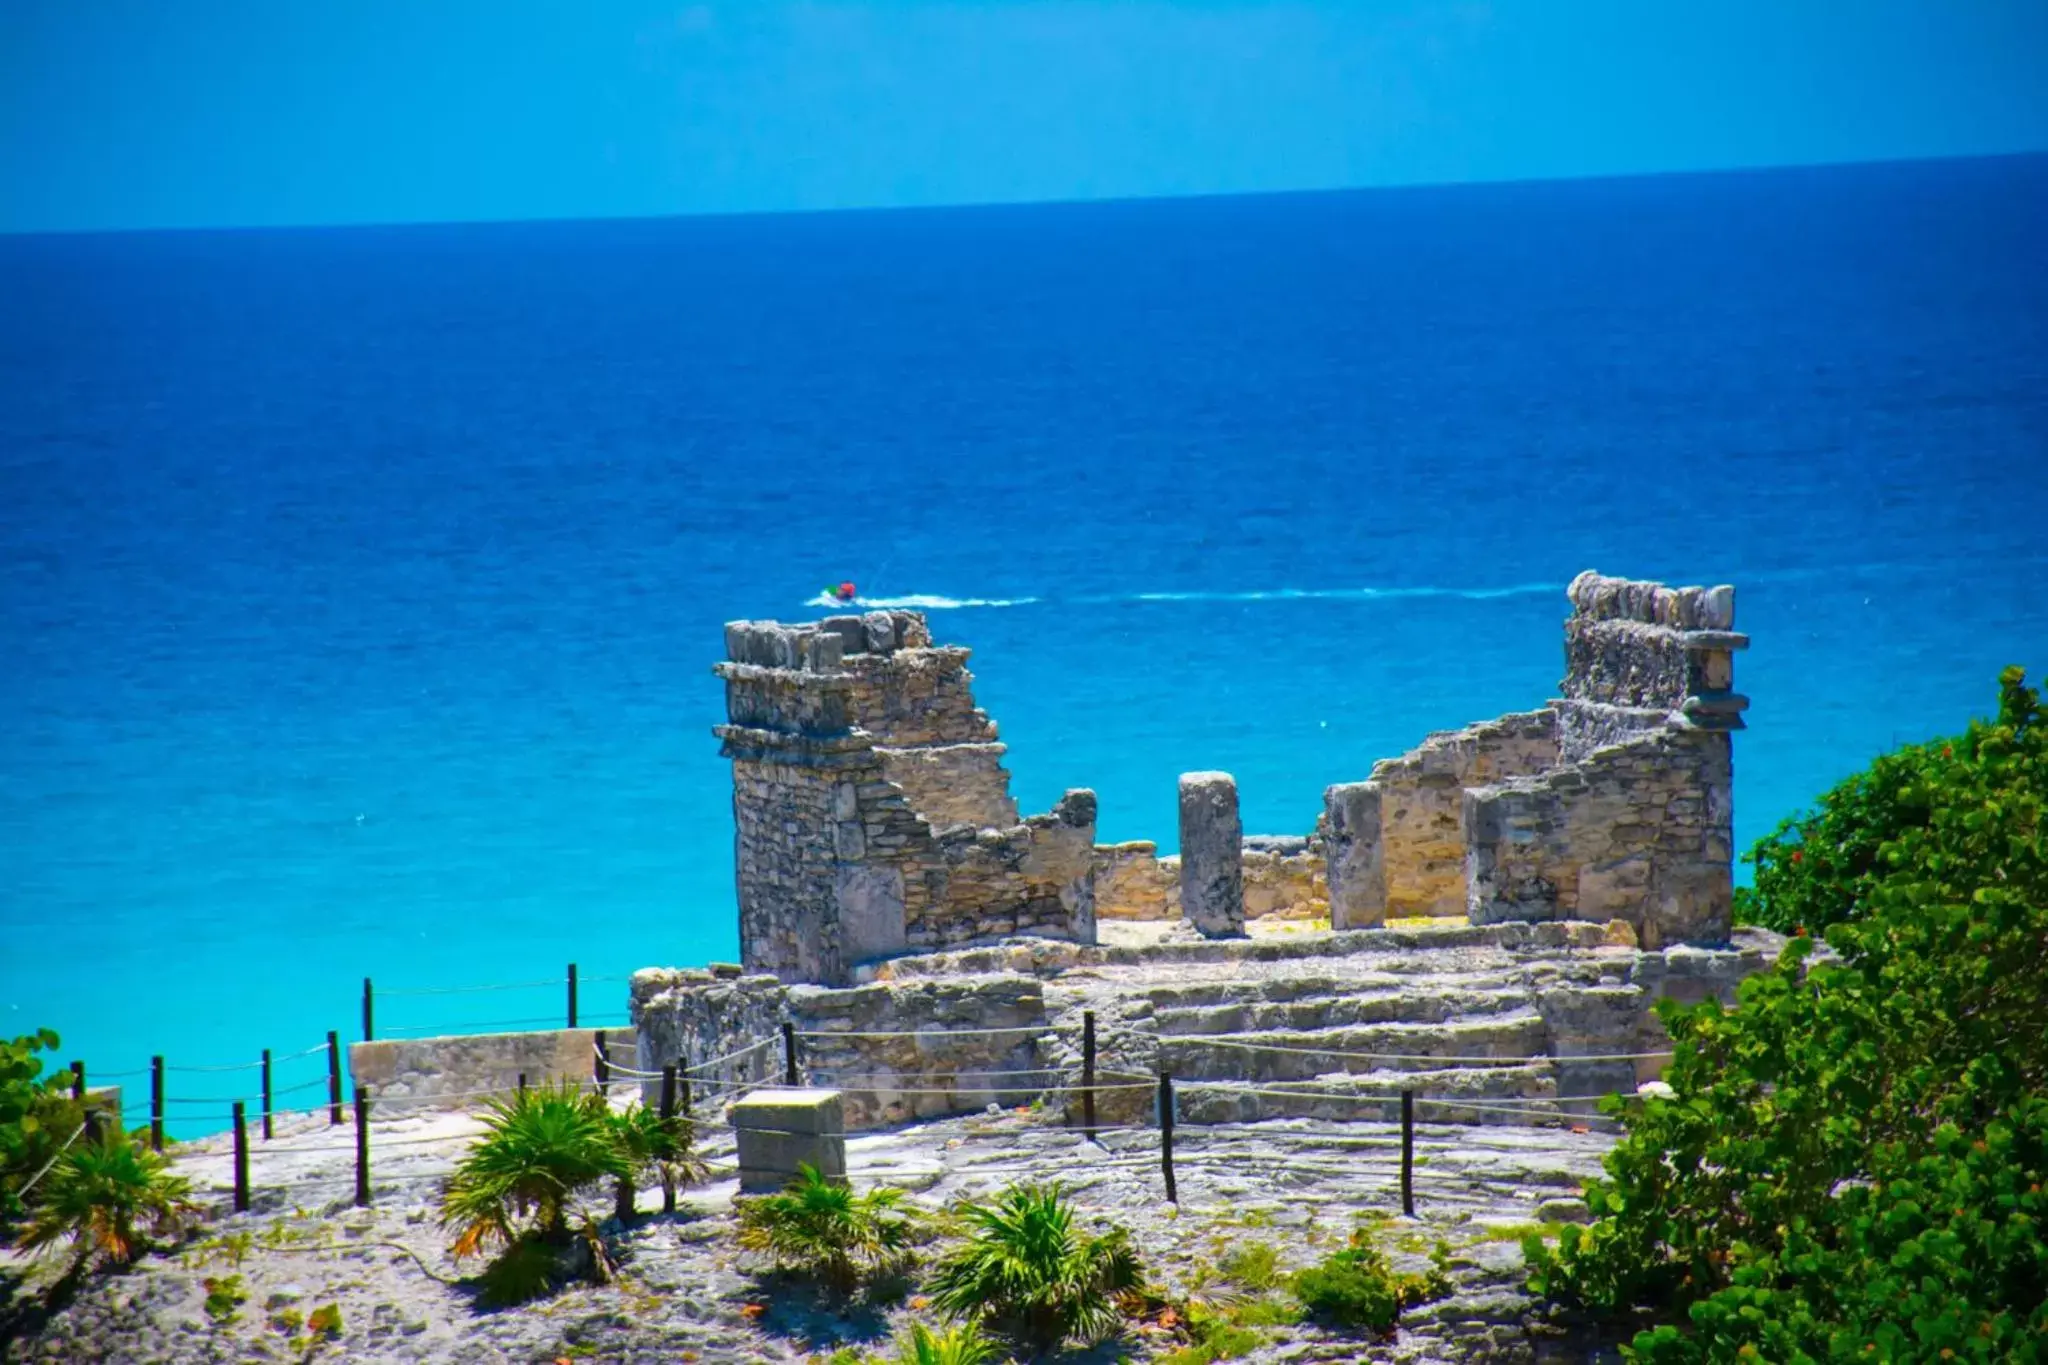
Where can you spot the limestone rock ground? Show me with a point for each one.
(685, 1293)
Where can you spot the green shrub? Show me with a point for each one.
(325, 1322)
(224, 1299)
(821, 1228)
(1357, 1287)
(1029, 1271)
(1212, 1334)
(110, 1197)
(962, 1345)
(1851, 1165)
(1253, 1265)
(37, 1118)
(538, 1150)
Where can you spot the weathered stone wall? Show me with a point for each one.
(1421, 795)
(916, 1049)
(1638, 644)
(1637, 653)
(871, 810)
(1132, 882)
(953, 784)
(452, 1072)
(1037, 877)
(1283, 877)
(905, 1051)
(1637, 822)
(720, 1027)
(1638, 832)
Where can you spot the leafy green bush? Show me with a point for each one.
(1212, 1334)
(37, 1117)
(1357, 1287)
(1852, 1161)
(224, 1299)
(1254, 1265)
(539, 1149)
(962, 1345)
(108, 1197)
(821, 1228)
(1029, 1271)
(1826, 866)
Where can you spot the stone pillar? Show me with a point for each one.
(778, 1130)
(1352, 852)
(1211, 855)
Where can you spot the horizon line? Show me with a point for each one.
(1478, 182)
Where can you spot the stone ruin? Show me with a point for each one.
(874, 818)
(1504, 904)
(872, 811)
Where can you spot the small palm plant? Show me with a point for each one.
(821, 1228)
(650, 1142)
(539, 1150)
(108, 1196)
(962, 1345)
(1029, 1271)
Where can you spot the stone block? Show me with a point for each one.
(1352, 851)
(1211, 855)
(807, 1111)
(778, 1130)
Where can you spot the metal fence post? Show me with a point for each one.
(362, 1148)
(241, 1159)
(1166, 1135)
(1408, 1153)
(333, 1079)
(1088, 1073)
(156, 1104)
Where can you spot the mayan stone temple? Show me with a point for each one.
(1516, 893)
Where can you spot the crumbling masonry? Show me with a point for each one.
(1507, 903)
(873, 815)
(872, 812)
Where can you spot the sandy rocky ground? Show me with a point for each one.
(686, 1294)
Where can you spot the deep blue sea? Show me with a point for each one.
(359, 588)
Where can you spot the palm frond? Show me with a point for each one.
(822, 1228)
(538, 1150)
(108, 1197)
(1026, 1268)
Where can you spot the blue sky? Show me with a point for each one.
(160, 113)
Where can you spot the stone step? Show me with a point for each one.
(1407, 949)
(1415, 1006)
(1514, 1094)
(1195, 986)
(1299, 1055)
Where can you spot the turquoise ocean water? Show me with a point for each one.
(359, 588)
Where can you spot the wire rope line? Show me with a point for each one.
(1200, 1040)
(1036, 1029)
(471, 990)
(462, 1030)
(54, 1159)
(730, 1056)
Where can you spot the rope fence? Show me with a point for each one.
(690, 1088)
